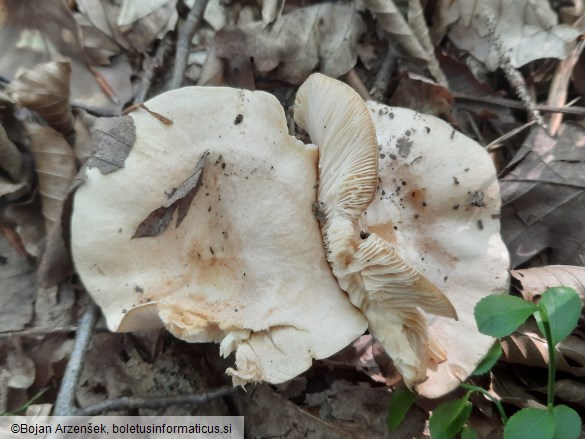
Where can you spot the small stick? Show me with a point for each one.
(560, 84)
(65, 403)
(183, 43)
(153, 402)
(499, 142)
(505, 102)
(41, 332)
(153, 64)
(514, 77)
(382, 80)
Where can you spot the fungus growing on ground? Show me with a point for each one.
(209, 226)
(394, 239)
(241, 261)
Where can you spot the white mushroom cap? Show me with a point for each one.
(428, 246)
(438, 205)
(246, 267)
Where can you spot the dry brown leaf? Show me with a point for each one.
(420, 94)
(506, 387)
(21, 369)
(45, 89)
(534, 281)
(323, 35)
(413, 35)
(129, 26)
(18, 285)
(28, 223)
(32, 34)
(527, 346)
(56, 168)
(527, 29)
(544, 197)
(571, 391)
(271, 10)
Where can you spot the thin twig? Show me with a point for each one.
(560, 84)
(497, 143)
(382, 80)
(511, 103)
(65, 404)
(153, 402)
(186, 33)
(514, 77)
(153, 64)
(41, 332)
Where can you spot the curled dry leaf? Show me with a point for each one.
(323, 35)
(543, 190)
(528, 346)
(56, 168)
(413, 35)
(45, 89)
(526, 29)
(534, 281)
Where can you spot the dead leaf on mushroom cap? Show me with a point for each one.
(438, 206)
(246, 267)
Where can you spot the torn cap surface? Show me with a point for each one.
(246, 266)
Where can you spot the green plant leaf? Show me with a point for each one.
(562, 305)
(567, 423)
(448, 418)
(500, 315)
(491, 358)
(530, 424)
(468, 433)
(400, 402)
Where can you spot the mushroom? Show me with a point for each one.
(418, 250)
(206, 227)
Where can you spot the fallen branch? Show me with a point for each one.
(153, 402)
(65, 403)
(185, 36)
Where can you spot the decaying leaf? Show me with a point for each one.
(413, 35)
(130, 27)
(21, 369)
(114, 138)
(56, 168)
(32, 34)
(179, 198)
(534, 281)
(544, 197)
(527, 29)
(323, 35)
(528, 346)
(18, 287)
(45, 89)
(271, 10)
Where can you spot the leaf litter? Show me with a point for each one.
(107, 47)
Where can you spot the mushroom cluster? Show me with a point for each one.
(223, 228)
